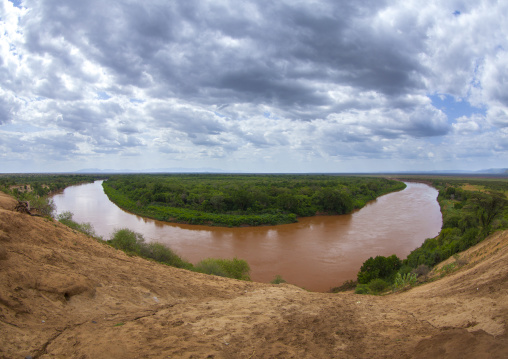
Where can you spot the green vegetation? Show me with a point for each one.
(134, 244)
(237, 200)
(375, 286)
(469, 216)
(405, 280)
(380, 267)
(35, 188)
(344, 287)
(472, 209)
(231, 268)
(278, 280)
(41, 184)
(86, 228)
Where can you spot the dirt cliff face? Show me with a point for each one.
(63, 295)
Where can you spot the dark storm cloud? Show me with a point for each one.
(242, 51)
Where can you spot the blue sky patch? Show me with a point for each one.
(101, 95)
(16, 3)
(455, 109)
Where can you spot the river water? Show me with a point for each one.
(316, 253)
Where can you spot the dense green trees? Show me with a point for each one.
(380, 267)
(471, 208)
(235, 200)
(40, 184)
(469, 216)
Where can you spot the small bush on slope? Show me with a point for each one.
(86, 228)
(232, 268)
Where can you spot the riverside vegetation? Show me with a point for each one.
(36, 187)
(242, 200)
(134, 244)
(472, 209)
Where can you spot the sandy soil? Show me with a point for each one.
(63, 295)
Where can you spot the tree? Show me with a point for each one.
(488, 207)
(334, 200)
(379, 267)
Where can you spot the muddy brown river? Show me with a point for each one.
(316, 253)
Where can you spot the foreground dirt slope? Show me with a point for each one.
(63, 295)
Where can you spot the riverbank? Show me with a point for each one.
(63, 294)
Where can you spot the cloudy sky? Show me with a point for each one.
(253, 85)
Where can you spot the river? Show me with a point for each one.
(316, 253)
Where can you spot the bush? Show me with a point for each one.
(405, 269)
(375, 286)
(378, 285)
(362, 289)
(65, 216)
(231, 268)
(127, 240)
(162, 254)
(44, 206)
(347, 285)
(278, 280)
(86, 228)
(421, 270)
(402, 281)
(210, 266)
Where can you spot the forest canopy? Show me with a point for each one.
(237, 200)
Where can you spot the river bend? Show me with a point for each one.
(316, 253)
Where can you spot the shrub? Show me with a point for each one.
(362, 289)
(44, 206)
(405, 269)
(421, 270)
(231, 268)
(65, 216)
(86, 228)
(210, 266)
(162, 254)
(278, 280)
(375, 286)
(402, 281)
(378, 285)
(347, 285)
(127, 240)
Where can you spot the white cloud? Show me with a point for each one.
(285, 83)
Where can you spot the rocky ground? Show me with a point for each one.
(64, 295)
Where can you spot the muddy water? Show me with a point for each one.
(317, 253)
